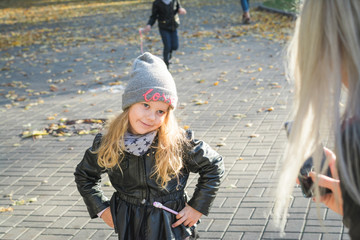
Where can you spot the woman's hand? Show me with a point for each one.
(107, 218)
(182, 11)
(334, 199)
(187, 216)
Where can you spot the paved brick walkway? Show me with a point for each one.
(242, 117)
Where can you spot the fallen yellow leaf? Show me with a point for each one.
(8, 209)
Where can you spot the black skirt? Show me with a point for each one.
(136, 219)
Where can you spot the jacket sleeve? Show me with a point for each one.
(178, 5)
(209, 164)
(88, 180)
(154, 14)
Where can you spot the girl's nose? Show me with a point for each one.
(151, 115)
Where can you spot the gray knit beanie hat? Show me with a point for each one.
(150, 80)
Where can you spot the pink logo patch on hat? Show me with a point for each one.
(156, 97)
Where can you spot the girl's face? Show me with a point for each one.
(145, 117)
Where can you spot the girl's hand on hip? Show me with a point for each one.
(187, 216)
(107, 218)
(334, 199)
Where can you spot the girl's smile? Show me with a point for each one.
(145, 117)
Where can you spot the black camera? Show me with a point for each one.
(305, 180)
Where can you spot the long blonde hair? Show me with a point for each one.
(169, 149)
(326, 42)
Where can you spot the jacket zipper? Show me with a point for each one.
(147, 194)
(147, 197)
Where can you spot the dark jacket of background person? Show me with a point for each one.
(167, 15)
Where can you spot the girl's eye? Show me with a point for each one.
(146, 105)
(161, 112)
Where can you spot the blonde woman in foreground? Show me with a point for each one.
(324, 61)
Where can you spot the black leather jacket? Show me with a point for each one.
(350, 207)
(167, 15)
(136, 190)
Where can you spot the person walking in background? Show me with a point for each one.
(148, 159)
(325, 65)
(246, 11)
(166, 13)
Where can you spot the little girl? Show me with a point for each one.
(148, 159)
(166, 12)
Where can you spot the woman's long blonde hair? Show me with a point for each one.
(169, 149)
(325, 45)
